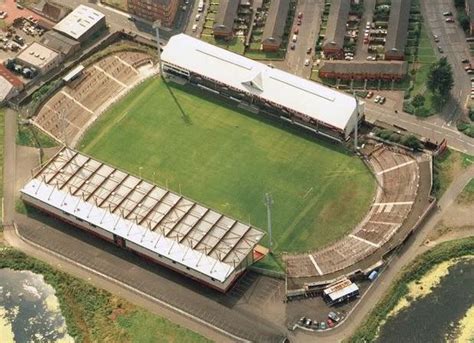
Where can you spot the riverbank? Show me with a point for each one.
(421, 266)
(95, 315)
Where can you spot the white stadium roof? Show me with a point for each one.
(79, 21)
(309, 98)
(152, 217)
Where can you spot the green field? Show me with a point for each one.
(228, 159)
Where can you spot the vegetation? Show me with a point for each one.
(409, 141)
(30, 135)
(467, 195)
(440, 79)
(415, 271)
(466, 126)
(95, 315)
(2, 152)
(445, 169)
(212, 152)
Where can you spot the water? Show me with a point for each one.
(29, 310)
(434, 318)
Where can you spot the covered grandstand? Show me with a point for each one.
(261, 87)
(149, 220)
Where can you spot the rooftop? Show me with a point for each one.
(79, 21)
(306, 97)
(150, 216)
(226, 14)
(336, 29)
(38, 55)
(398, 27)
(365, 67)
(276, 20)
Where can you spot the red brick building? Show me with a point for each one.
(363, 70)
(164, 10)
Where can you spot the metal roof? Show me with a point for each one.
(279, 87)
(343, 292)
(79, 21)
(150, 216)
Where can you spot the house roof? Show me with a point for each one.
(10, 77)
(79, 21)
(309, 98)
(337, 20)
(398, 27)
(365, 67)
(276, 20)
(150, 216)
(226, 14)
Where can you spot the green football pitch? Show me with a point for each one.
(228, 159)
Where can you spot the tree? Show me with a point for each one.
(418, 101)
(463, 20)
(440, 79)
(412, 142)
(459, 3)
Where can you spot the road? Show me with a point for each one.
(453, 43)
(413, 248)
(308, 31)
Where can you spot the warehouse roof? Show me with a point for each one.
(398, 27)
(79, 21)
(336, 30)
(150, 216)
(276, 20)
(271, 84)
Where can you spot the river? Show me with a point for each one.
(29, 309)
(438, 316)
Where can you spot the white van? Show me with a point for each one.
(195, 27)
(295, 37)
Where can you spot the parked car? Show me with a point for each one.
(309, 50)
(331, 324)
(440, 49)
(308, 322)
(447, 13)
(466, 68)
(300, 15)
(315, 325)
(302, 320)
(369, 95)
(449, 20)
(377, 99)
(322, 326)
(466, 60)
(195, 27)
(382, 100)
(334, 316)
(307, 62)
(132, 19)
(296, 30)
(198, 16)
(298, 22)
(292, 46)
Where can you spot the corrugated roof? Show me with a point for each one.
(224, 21)
(276, 20)
(79, 21)
(398, 27)
(337, 20)
(319, 102)
(343, 292)
(150, 216)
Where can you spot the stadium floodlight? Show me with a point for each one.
(156, 26)
(268, 204)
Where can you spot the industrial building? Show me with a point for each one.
(149, 220)
(275, 25)
(81, 24)
(39, 57)
(261, 88)
(164, 10)
(60, 43)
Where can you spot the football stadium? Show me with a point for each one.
(180, 169)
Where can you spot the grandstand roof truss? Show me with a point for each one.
(157, 213)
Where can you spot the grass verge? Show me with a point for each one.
(95, 315)
(228, 159)
(415, 271)
(30, 135)
(2, 154)
(467, 195)
(446, 167)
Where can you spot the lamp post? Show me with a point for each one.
(156, 26)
